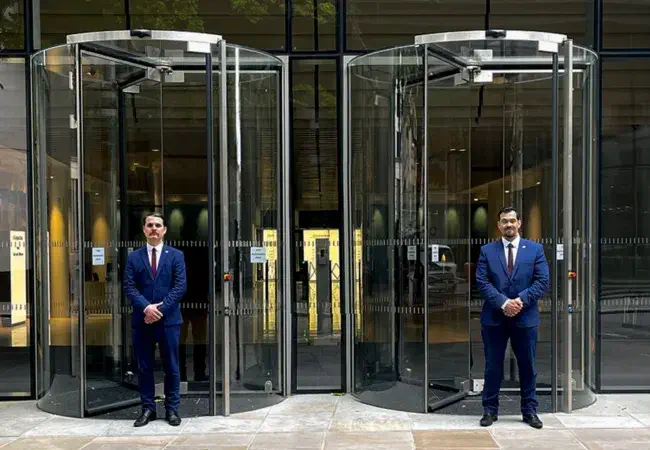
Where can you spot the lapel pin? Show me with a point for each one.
(523, 246)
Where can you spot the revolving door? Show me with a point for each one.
(126, 123)
(440, 136)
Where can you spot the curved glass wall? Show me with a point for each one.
(441, 135)
(129, 123)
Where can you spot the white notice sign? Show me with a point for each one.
(435, 253)
(412, 252)
(560, 252)
(258, 255)
(98, 256)
(17, 268)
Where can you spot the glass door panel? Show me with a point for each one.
(58, 202)
(253, 163)
(448, 208)
(387, 201)
(185, 181)
(105, 314)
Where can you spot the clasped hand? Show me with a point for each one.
(152, 313)
(513, 307)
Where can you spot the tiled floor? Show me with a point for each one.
(332, 422)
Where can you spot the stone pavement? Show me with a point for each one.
(333, 422)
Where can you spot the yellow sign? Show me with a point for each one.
(18, 283)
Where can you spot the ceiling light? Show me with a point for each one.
(476, 199)
(507, 191)
(452, 149)
(155, 149)
(461, 150)
(538, 183)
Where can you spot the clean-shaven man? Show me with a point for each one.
(155, 282)
(512, 275)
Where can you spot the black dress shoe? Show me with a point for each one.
(146, 417)
(488, 419)
(533, 421)
(173, 418)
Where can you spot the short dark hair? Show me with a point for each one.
(156, 215)
(506, 210)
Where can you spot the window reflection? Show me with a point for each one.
(313, 25)
(56, 19)
(625, 24)
(258, 24)
(15, 313)
(12, 28)
(373, 24)
(625, 225)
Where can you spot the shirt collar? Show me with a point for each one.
(515, 242)
(158, 247)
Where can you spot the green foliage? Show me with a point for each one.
(326, 99)
(255, 10)
(167, 15)
(11, 25)
(325, 8)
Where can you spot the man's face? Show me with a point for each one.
(154, 230)
(509, 225)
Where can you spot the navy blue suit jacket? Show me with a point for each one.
(529, 281)
(168, 286)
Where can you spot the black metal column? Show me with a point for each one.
(554, 232)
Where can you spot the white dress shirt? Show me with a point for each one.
(515, 247)
(158, 248)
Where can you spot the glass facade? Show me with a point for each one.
(15, 266)
(315, 36)
(625, 225)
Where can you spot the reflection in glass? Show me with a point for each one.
(258, 24)
(313, 25)
(55, 19)
(15, 308)
(381, 23)
(625, 24)
(624, 293)
(12, 25)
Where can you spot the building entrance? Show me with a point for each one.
(441, 135)
(128, 123)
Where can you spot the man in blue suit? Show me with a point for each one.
(154, 281)
(512, 275)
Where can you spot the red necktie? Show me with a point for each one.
(510, 265)
(153, 261)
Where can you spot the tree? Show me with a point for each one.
(11, 25)
(255, 10)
